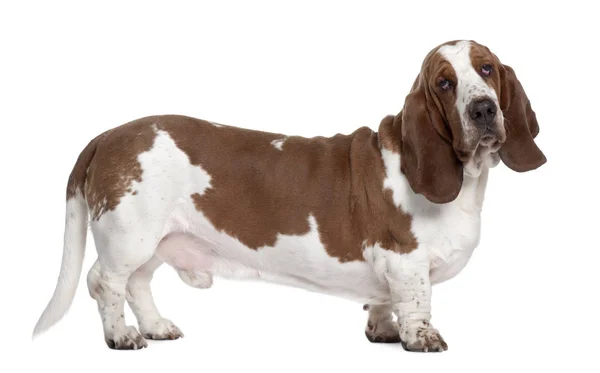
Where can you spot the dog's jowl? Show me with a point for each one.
(377, 217)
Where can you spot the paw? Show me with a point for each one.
(385, 331)
(160, 330)
(423, 338)
(128, 339)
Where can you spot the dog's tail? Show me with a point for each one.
(76, 224)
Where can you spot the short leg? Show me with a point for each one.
(107, 287)
(120, 254)
(381, 327)
(410, 287)
(139, 296)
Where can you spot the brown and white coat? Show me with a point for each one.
(378, 217)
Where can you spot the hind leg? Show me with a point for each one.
(118, 257)
(139, 297)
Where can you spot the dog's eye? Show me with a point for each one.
(444, 84)
(486, 70)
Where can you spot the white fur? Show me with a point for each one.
(160, 223)
(470, 85)
(484, 157)
(447, 232)
(408, 277)
(76, 221)
(446, 235)
(278, 144)
(141, 302)
(127, 237)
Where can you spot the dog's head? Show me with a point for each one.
(466, 110)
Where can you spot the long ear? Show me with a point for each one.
(427, 157)
(519, 152)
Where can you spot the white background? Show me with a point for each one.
(71, 70)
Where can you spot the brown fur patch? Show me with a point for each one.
(425, 130)
(106, 168)
(115, 165)
(481, 55)
(258, 191)
(78, 174)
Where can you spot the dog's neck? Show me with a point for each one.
(475, 173)
(472, 193)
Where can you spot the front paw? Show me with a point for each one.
(422, 338)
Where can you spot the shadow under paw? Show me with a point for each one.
(132, 340)
(382, 338)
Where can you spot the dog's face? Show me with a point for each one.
(466, 81)
(466, 111)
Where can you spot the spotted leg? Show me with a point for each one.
(120, 255)
(410, 288)
(107, 286)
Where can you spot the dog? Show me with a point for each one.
(377, 217)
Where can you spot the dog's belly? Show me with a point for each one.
(300, 261)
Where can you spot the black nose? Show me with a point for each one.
(483, 111)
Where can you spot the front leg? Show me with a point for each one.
(381, 327)
(410, 289)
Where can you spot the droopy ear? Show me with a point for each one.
(427, 157)
(519, 152)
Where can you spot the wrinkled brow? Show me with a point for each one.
(481, 55)
(439, 67)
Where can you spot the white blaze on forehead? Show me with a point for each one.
(470, 85)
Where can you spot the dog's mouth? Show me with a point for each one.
(488, 145)
(481, 157)
(486, 140)
(490, 141)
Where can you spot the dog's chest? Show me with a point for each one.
(449, 233)
(449, 241)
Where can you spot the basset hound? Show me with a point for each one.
(377, 217)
